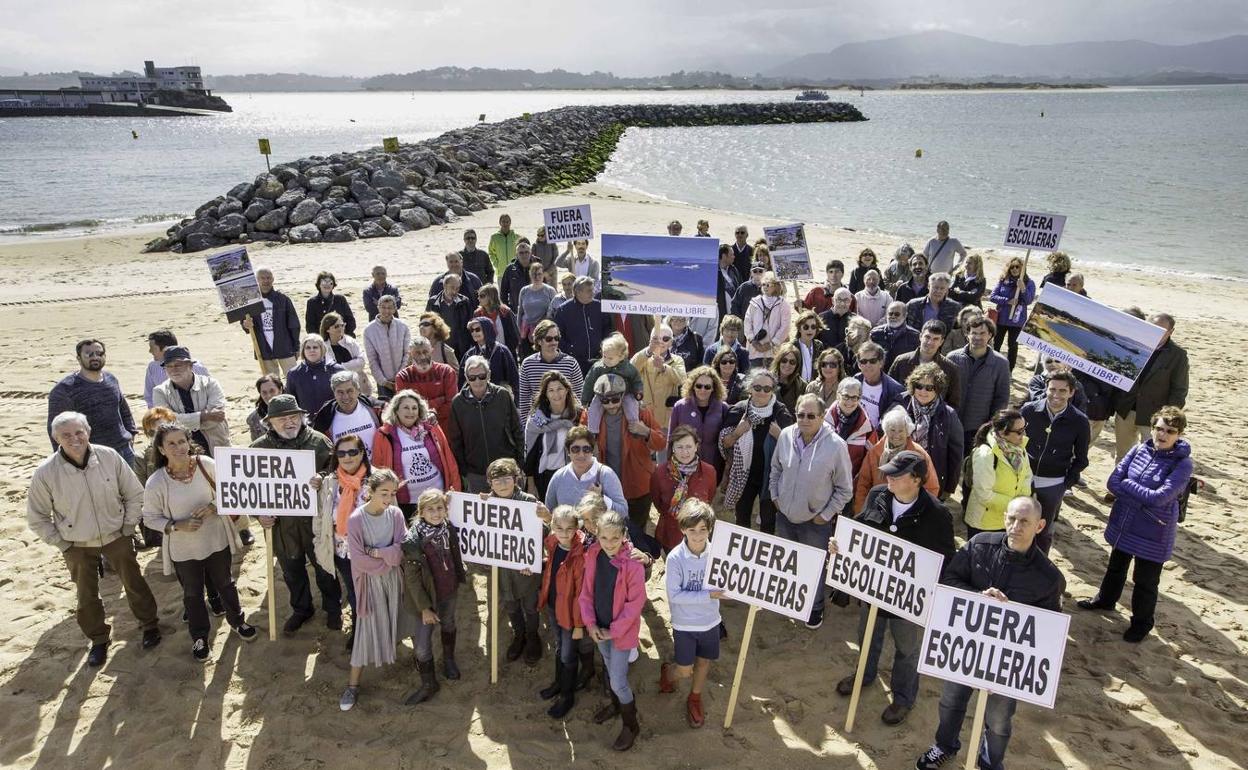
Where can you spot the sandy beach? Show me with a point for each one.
(1178, 700)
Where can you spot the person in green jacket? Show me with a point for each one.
(503, 245)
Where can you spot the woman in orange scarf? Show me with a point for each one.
(341, 492)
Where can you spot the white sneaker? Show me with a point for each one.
(349, 697)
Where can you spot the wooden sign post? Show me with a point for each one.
(736, 677)
(977, 730)
(862, 667)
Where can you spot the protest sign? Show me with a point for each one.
(497, 532)
(882, 569)
(659, 274)
(1034, 230)
(235, 280)
(790, 257)
(1007, 648)
(568, 223)
(265, 482)
(1093, 338)
(768, 571)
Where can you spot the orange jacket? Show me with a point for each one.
(870, 475)
(638, 466)
(382, 456)
(567, 582)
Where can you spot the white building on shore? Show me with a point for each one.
(154, 78)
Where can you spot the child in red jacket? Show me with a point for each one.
(562, 576)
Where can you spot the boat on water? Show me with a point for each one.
(812, 95)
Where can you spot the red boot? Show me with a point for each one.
(665, 682)
(693, 710)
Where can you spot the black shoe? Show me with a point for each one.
(546, 693)
(246, 632)
(333, 622)
(449, 669)
(845, 687)
(216, 606)
(428, 683)
(97, 655)
(516, 648)
(1136, 634)
(199, 650)
(932, 759)
(895, 714)
(584, 669)
(1093, 604)
(247, 538)
(532, 647)
(609, 710)
(567, 690)
(294, 623)
(816, 619)
(151, 638)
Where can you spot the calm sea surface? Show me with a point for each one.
(1153, 177)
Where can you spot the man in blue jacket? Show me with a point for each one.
(1057, 448)
(583, 324)
(276, 326)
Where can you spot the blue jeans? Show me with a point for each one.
(423, 638)
(907, 639)
(565, 645)
(127, 454)
(997, 714)
(616, 662)
(1050, 499)
(807, 533)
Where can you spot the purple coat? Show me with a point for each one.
(686, 412)
(1002, 295)
(1148, 484)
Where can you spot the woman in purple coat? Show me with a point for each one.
(1147, 485)
(1014, 292)
(702, 407)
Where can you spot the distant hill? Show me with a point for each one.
(489, 79)
(281, 81)
(951, 56)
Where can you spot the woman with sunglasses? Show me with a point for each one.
(747, 440)
(829, 371)
(999, 471)
(1014, 292)
(847, 417)
(661, 373)
(1147, 486)
(767, 321)
(553, 412)
(583, 475)
(703, 408)
(434, 329)
(341, 492)
(808, 344)
(345, 350)
(936, 425)
(411, 443)
(789, 383)
(866, 263)
(727, 364)
(548, 358)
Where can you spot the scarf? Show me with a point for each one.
(681, 475)
(437, 535)
(922, 416)
(1014, 455)
(889, 452)
(348, 492)
(845, 422)
(757, 415)
(417, 432)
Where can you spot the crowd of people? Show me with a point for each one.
(884, 399)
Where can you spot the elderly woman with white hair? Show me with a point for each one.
(767, 321)
(747, 438)
(897, 428)
(846, 416)
(661, 372)
(308, 381)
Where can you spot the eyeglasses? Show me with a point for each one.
(347, 452)
(829, 365)
(1166, 429)
(849, 396)
(610, 399)
(926, 388)
(666, 338)
(1015, 431)
(761, 388)
(549, 338)
(727, 362)
(809, 327)
(426, 324)
(339, 325)
(477, 330)
(581, 450)
(742, 232)
(788, 362)
(703, 386)
(868, 361)
(758, 270)
(807, 416)
(477, 377)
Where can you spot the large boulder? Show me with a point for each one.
(272, 221)
(308, 233)
(291, 198)
(349, 211)
(258, 208)
(415, 218)
(373, 208)
(201, 241)
(242, 192)
(386, 177)
(304, 212)
(325, 219)
(209, 207)
(362, 192)
(230, 226)
(340, 234)
(320, 183)
(372, 229)
(270, 189)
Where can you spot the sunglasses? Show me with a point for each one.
(347, 452)
(758, 270)
(1166, 429)
(926, 388)
(1011, 431)
(807, 416)
(548, 338)
(581, 450)
(809, 327)
(701, 386)
(426, 324)
(477, 377)
(761, 388)
(611, 399)
(727, 363)
(868, 361)
(666, 338)
(788, 361)
(829, 365)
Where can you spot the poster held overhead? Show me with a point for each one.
(659, 274)
(236, 284)
(1034, 230)
(568, 223)
(790, 256)
(1096, 339)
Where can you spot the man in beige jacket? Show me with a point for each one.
(85, 500)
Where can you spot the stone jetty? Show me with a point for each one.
(375, 194)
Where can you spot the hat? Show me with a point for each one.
(283, 405)
(905, 461)
(757, 266)
(175, 353)
(609, 385)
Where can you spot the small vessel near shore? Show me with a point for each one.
(812, 95)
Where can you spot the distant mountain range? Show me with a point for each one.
(951, 56)
(919, 59)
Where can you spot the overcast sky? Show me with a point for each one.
(355, 37)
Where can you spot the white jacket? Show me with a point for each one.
(387, 348)
(774, 316)
(67, 506)
(355, 363)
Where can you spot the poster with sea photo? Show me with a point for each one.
(659, 274)
(789, 254)
(235, 279)
(1093, 338)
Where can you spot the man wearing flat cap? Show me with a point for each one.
(903, 508)
(292, 535)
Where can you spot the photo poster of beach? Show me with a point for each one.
(789, 256)
(235, 280)
(1093, 338)
(659, 275)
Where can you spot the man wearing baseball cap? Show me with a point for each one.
(292, 535)
(903, 508)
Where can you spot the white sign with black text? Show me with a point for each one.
(497, 532)
(768, 571)
(882, 569)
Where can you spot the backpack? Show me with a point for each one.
(967, 468)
